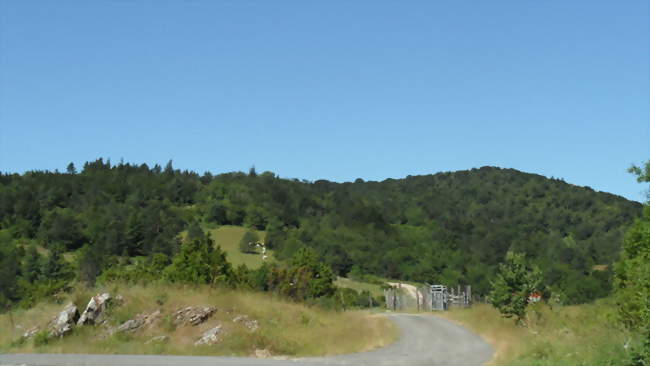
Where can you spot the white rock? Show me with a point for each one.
(193, 315)
(95, 309)
(262, 353)
(209, 337)
(63, 323)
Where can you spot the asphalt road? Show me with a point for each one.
(424, 340)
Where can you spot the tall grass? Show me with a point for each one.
(586, 335)
(285, 328)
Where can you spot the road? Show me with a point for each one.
(425, 340)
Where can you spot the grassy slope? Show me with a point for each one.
(563, 335)
(228, 238)
(374, 289)
(285, 328)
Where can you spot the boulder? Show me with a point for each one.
(158, 339)
(250, 324)
(193, 315)
(140, 320)
(210, 337)
(94, 313)
(63, 323)
(262, 353)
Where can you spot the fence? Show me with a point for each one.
(427, 298)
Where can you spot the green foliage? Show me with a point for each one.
(61, 225)
(444, 228)
(141, 270)
(9, 271)
(41, 338)
(199, 261)
(632, 281)
(248, 242)
(309, 277)
(513, 284)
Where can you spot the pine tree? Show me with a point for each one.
(31, 264)
(248, 242)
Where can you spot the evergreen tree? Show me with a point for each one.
(200, 262)
(70, 169)
(31, 264)
(194, 231)
(55, 267)
(248, 242)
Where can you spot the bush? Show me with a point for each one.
(248, 242)
(512, 286)
(200, 262)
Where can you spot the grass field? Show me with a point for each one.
(285, 328)
(228, 238)
(374, 289)
(563, 335)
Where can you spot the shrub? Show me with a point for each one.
(515, 281)
(248, 242)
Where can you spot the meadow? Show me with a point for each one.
(579, 335)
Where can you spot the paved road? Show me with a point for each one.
(425, 340)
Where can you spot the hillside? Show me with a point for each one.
(451, 228)
(246, 322)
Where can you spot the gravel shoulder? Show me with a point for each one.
(424, 340)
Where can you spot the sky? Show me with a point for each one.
(333, 90)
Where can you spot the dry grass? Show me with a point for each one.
(563, 335)
(285, 328)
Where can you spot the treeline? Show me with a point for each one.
(445, 228)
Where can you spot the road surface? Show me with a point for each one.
(425, 340)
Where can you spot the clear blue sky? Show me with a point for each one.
(330, 89)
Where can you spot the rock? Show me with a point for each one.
(262, 353)
(29, 333)
(63, 323)
(193, 315)
(95, 310)
(209, 337)
(158, 339)
(251, 324)
(140, 320)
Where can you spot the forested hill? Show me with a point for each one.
(445, 228)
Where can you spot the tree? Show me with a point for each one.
(194, 231)
(91, 263)
(200, 262)
(309, 277)
(70, 169)
(9, 269)
(55, 266)
(248, 242)
(31, 264)
(514, 282)
(632, 279)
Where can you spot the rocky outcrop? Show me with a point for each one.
(63, 323)
(29, 333)
(210, 337)
(251, 324)
(95, 311)
(192, 315)
(143, 320)
(262, 353)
